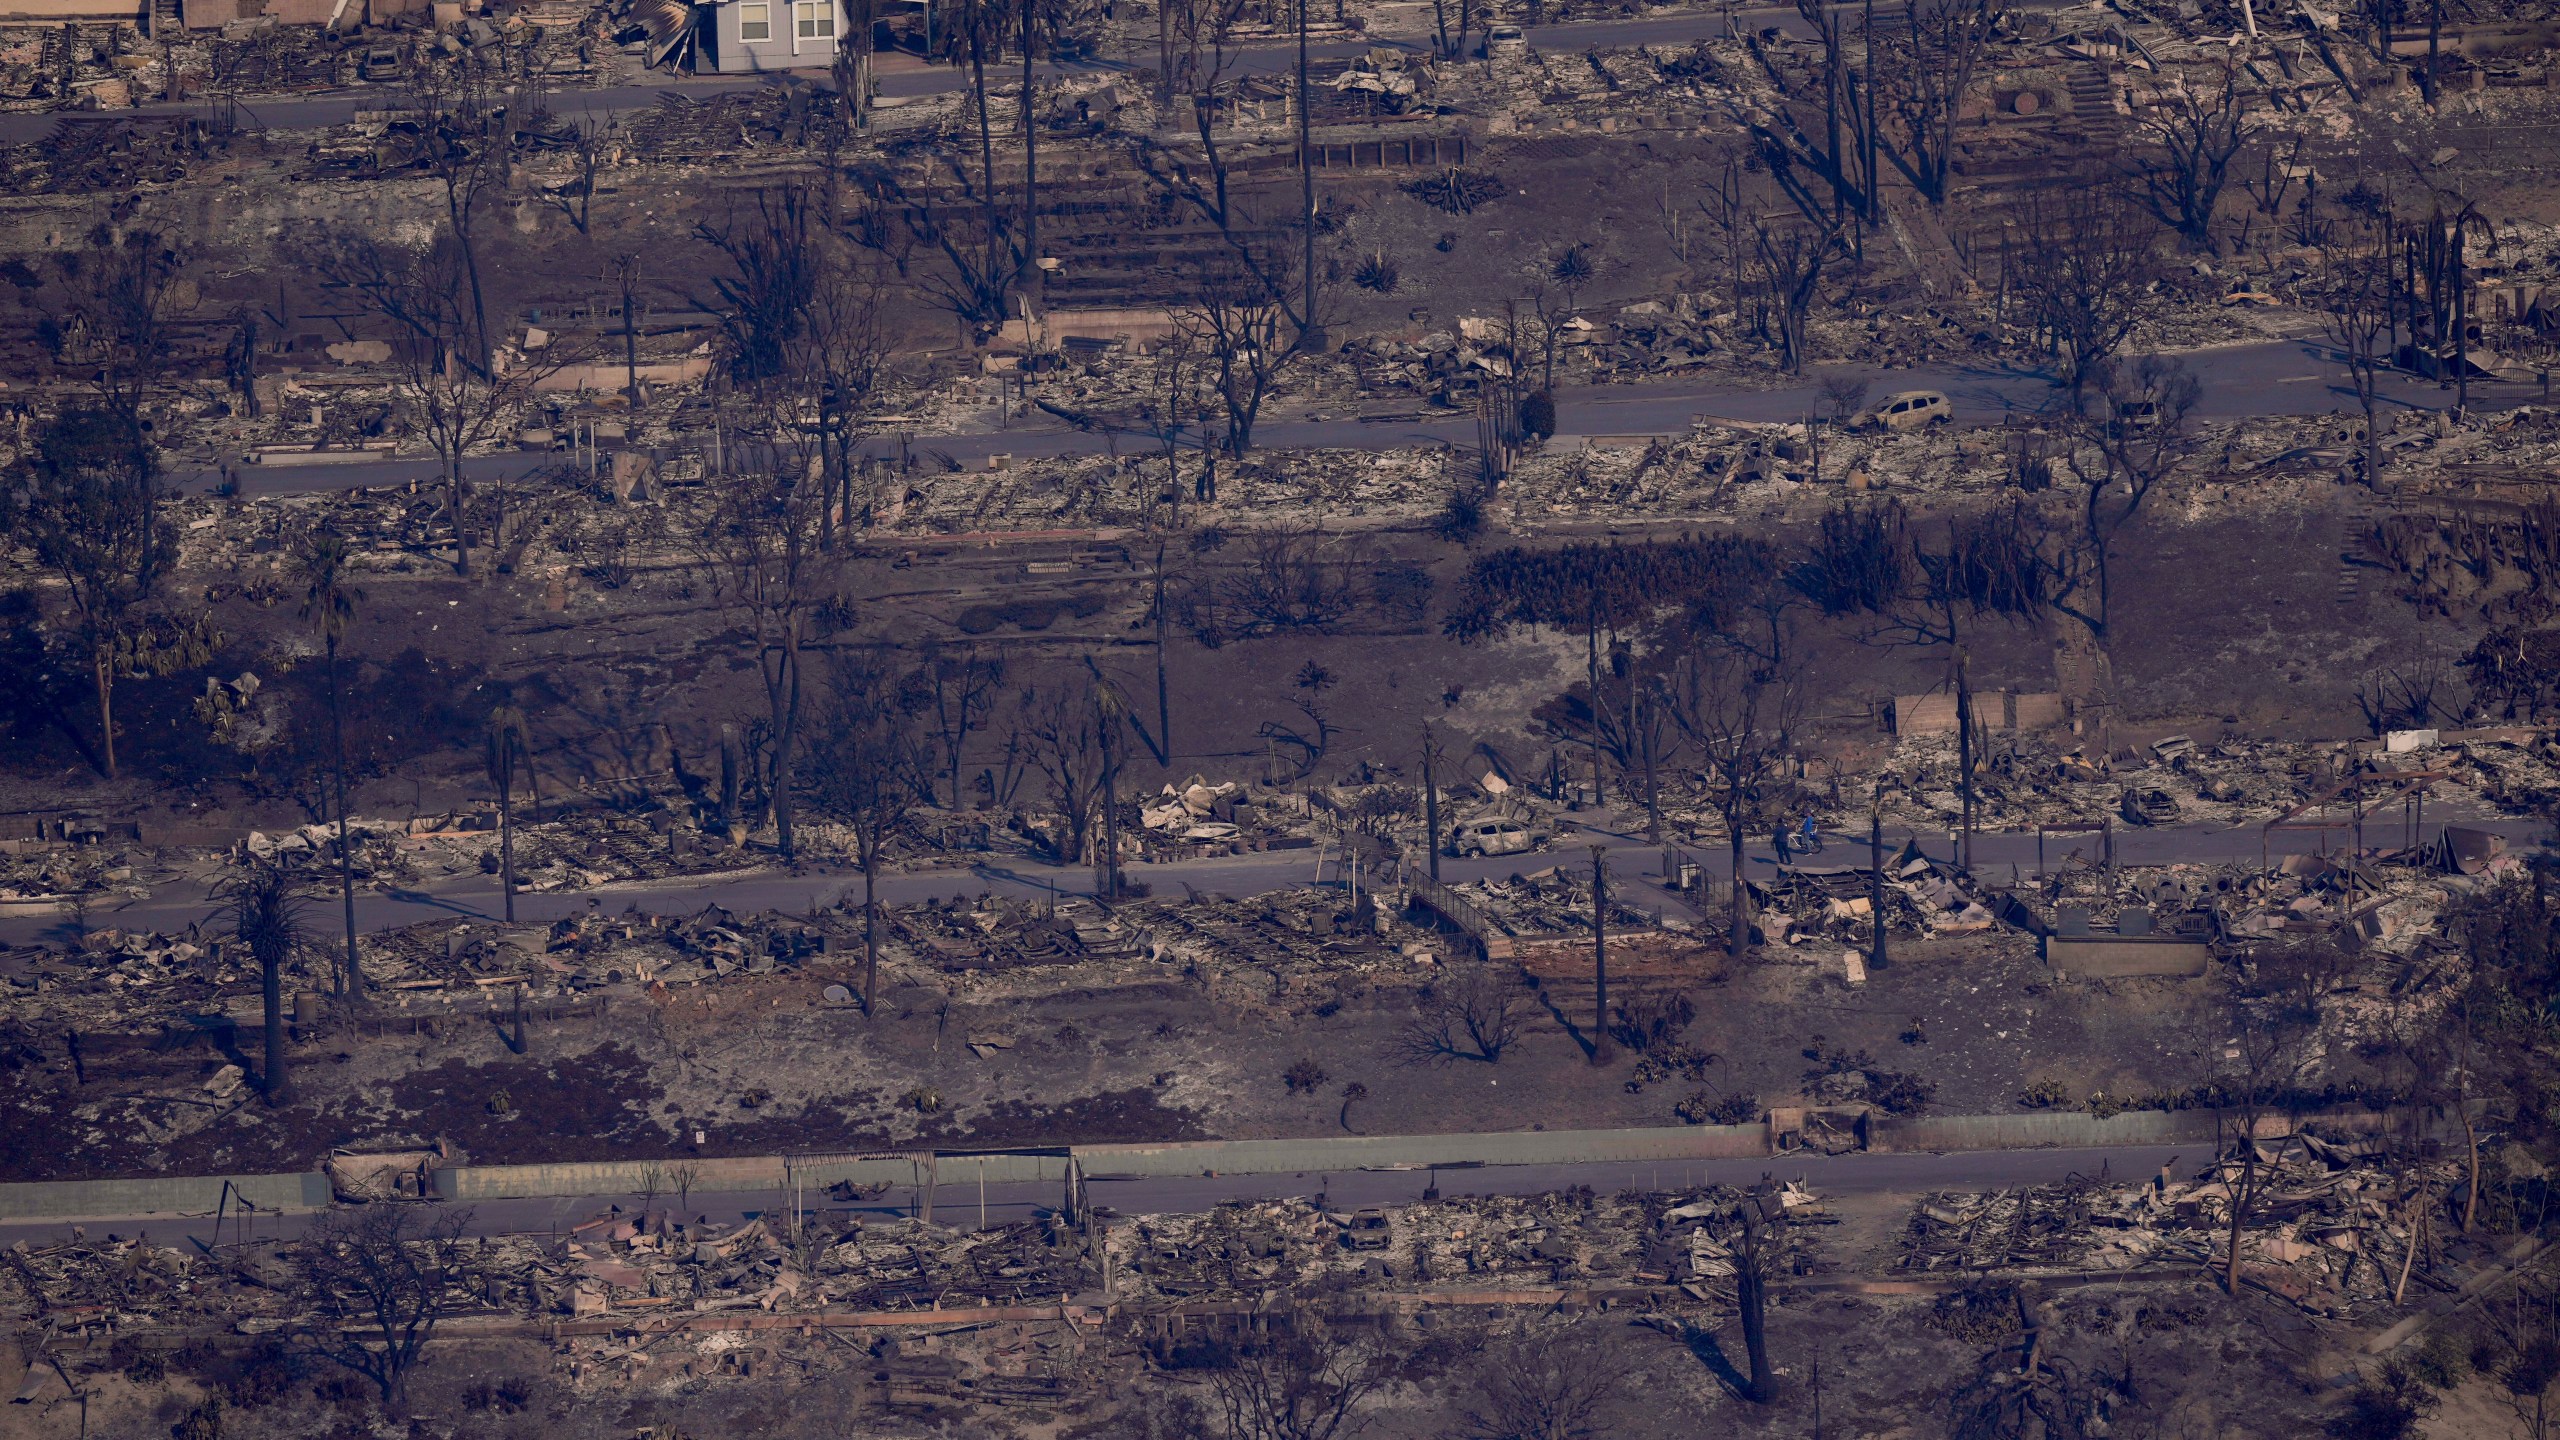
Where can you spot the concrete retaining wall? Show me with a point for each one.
(465, 1184)
(2049, 1129)
(1351, 1152)
(2110, 957)
(630, 1177)
(174, 1195)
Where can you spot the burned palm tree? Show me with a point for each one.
(329, 602)
(265, 918)
(509, 748)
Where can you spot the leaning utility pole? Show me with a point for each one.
(1875, 883)
(1599, 951)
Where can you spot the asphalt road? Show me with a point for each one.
(902, 76)
(2269, 377)
(1996, 858)
(957, 1203)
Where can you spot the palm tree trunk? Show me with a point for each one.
(1752, 1298)
(354, 985)
(1106, 869)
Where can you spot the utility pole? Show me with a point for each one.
(1431, 797)
(1164, 700)
(1964, 758)
(1599, 951)
(626, 268)
(1106, 869)
(2355, 819)
(1875, 882)
(1310, 334)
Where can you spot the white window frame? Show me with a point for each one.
(813, 21)
(762, 10)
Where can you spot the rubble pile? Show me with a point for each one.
(1805, 902)
(629, 1264)
(1550, 903)
(2027, 779)
(47, 876)
(114, 981)
(991, 935)
(729, 126)
(2030, 1226)
(85, 1286)
(2329, 1225)
(1257, 949)
(1244, 1250)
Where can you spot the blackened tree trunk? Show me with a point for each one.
(1964, 757)
(1751, 1297)
(1600, 955)
(354, 986)
(1740, 937)
(1106, 869)
(105, 671)
(507, 850)
(1030, 150)
(1164, 695)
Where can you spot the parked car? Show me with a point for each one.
(2149, 807)
(1492, 837)
(2137, 414)
(1505, 40)
(1368, 1229)
(1910, 410)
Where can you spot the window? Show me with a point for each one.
(755, 20)
(816, 18)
